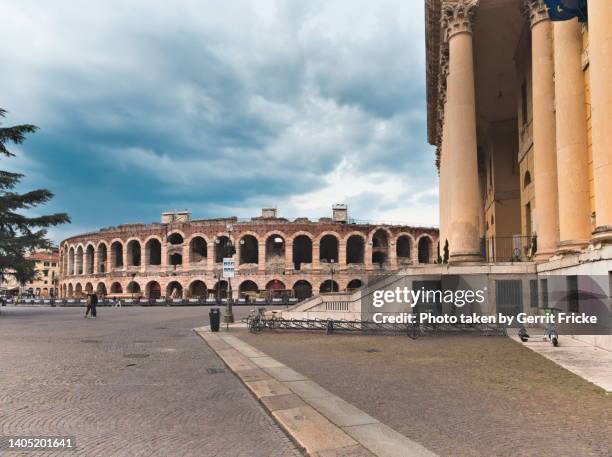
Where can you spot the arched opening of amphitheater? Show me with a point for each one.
(425, 246)
(198, 290)
(249, 250)
(380, 248)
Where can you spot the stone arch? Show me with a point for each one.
(134, 253)
(223, 247)
(425, 249)
(78, 290)
(248, 288)
(328, 286)
(354, 284)
(248, 249)
(221, 289)
(153, 290)
(101, 289)
(380, 239)
(153, 250)
(403, 248)
(175, 259)
(79, 259)
(175, 238)
(197, 289)
(302, 289)
(102, 250)
(89, 259)
(71, 256)
(198, 249)
(89, 288)
(70, 291)
(133, 288)
(275, 247)
(116, 254)
(276, 288)
(116, 288)
(302, 250)
(355, 248)
(174, 290)
(329, 247)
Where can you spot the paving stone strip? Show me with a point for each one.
(321, 423)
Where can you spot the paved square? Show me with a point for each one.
(456, 395)
(133, 382)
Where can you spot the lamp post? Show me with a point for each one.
(332, 271)
(228, 250)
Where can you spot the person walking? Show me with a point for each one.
(94, 302)
(88, 303)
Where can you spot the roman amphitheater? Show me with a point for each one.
(181, 258)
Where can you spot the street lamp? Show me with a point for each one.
(332, 271)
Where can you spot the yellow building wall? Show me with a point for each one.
(587, 86)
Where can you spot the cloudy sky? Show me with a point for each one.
(220, 107)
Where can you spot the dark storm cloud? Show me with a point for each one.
(146, 106)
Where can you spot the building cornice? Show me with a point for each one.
(458, 17)
(535, 11)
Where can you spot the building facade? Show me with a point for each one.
(520, 110)
(183, 258)
(46, 281)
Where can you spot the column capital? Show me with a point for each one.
(535, 11)
(458, 17)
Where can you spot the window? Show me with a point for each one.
(533, 293)
(544, 289)
(573, 294)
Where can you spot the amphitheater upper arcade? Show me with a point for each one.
(181, 258)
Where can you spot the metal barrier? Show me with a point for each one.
(151, 302)
(514, 248)
(259, 322)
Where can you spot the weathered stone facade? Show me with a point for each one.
(180, 258)
(520, 110)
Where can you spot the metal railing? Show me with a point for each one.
(512, 248)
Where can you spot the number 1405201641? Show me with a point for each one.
(37, 443)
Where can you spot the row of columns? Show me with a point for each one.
(559, 131)
(209, 262)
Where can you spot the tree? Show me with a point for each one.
(446, 256)
(19, 233)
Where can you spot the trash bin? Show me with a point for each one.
(214, 315)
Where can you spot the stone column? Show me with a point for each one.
(289, 255)
(544, 141)
(125, 256)
(164, 255)
(460, 118)
(392, 252)
(571, 128)
(316, 252)
(342, 253)
(94, 269)
(368, 255)
(185, 253)
(600, 65)
(261, 256)
(210, 254)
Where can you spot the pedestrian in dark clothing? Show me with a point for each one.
(94, 302)
(88, 303)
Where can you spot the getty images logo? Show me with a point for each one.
(412, 297)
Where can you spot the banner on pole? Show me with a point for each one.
(228, 267)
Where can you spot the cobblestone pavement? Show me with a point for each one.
(456, 395)
(133, 382)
